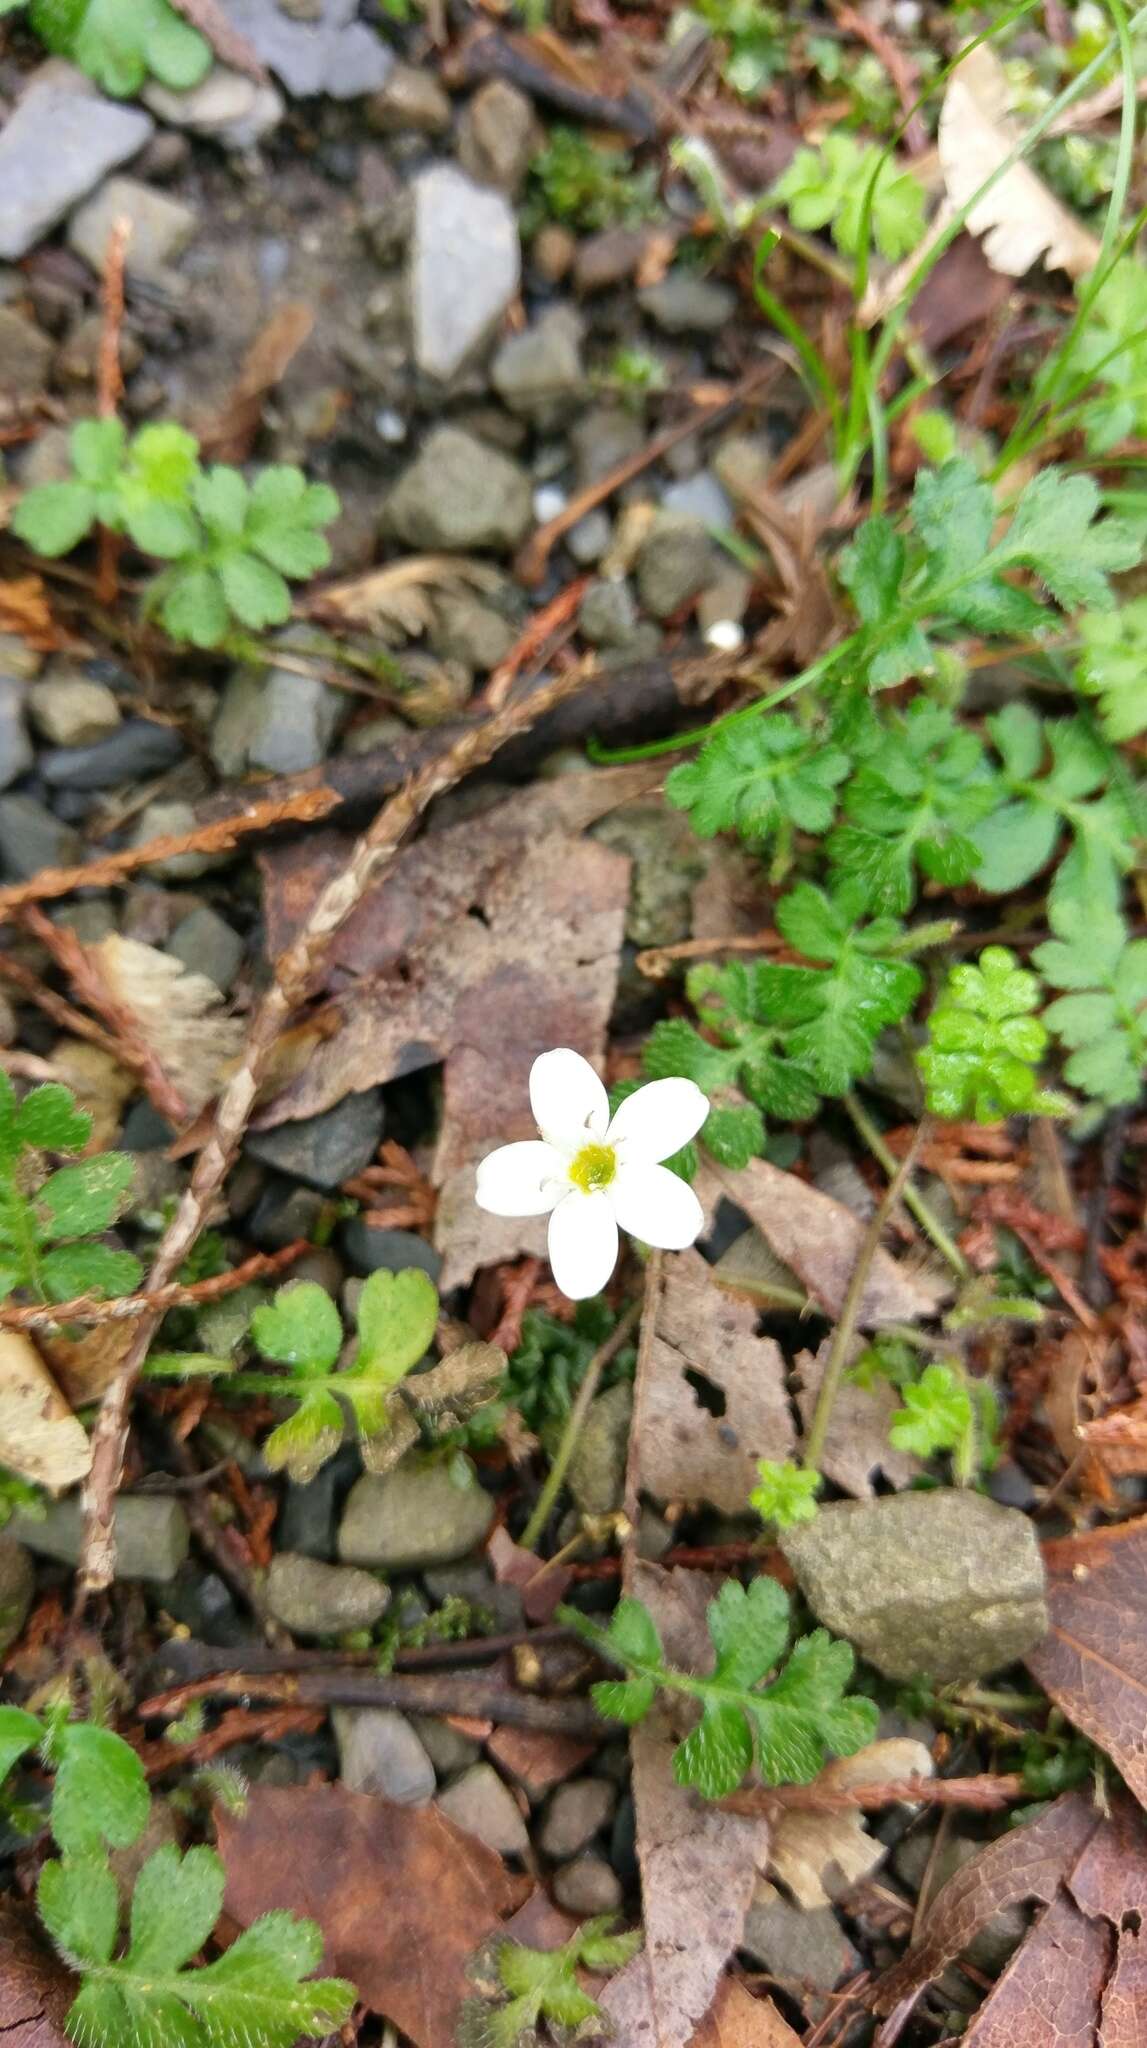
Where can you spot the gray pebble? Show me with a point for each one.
(380, 1752)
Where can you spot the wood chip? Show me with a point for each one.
(40, 1438)
(1021, 220)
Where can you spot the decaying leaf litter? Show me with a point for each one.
(746, 1653)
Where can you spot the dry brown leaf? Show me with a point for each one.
(492, 941)
(403, 1897)
(820, 1856)
(820, 1240)
(714, 1400)
(1123, 2022)
(1020, 219)
(1093, 1661)
(698, 1864)
(735, 2019)
(856, 1447)
(1051, 1989)
(25, 611)
(229, 437)
(39, 1436)
(85, 1366)
(35, 1989)
(397, 601)
(178, 1015)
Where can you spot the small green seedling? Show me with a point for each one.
(1113, 665)
(947, 1411)
(786, 1493)
(1102, 1017)
(541, 1984)
(588, 185)
(786, 1728)
(985, 1045)
(121, 43)
(49, 1223)
(825, 188)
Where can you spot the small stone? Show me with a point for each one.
(370, 1250)
(234, 110)
(17, 1587)
(587, 1886)
(414, 1516)
(60, 140)
(283, 1213)
(597, 1469)
(17, 658)
(723, 603)
(380, 1752)
(31, 839)
(944, 1583)
(274, 719)
(608, 258)
(473, 1581)
(152, 1536)
(676, 562)
(590, 539)
(72, 710)
(25, 357)
(309, 1512)
(206, 944)
(322, 49)
(448, 1749)
(465, 267)
(323, 1151)
(683, 303)
(607, 614)
(171, 818)
(469, 631)
(137, 749)
(700, 497)
(498, 136)
(16, 755)
(666, 867)
(539, 373)
(552, 252)
(576, 1813)
(100, 1085)
(460, 494)
(314, 1599)
(410, 101)
(602, 438)
(806, 1947)
(484, 1806)
(161, 228)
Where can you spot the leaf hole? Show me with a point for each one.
(709, 1396)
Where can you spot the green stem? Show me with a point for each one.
(929, 1223)
(529, 1538)
(845, 1330)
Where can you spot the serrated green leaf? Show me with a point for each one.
(83, 1199)
(302, 1444)
(734, 1135)
(397, 1318)
(301, 1328)
(97, 449)
(1056, 533)
(753, 776)
(221, 499)
(1104, 1017)
(49, 1120)
(632, 1635)
(192, 605)
(718, 1752)
(749, 1630)
(937, 1413)
(117, 41)
(984, 1043)
(70, 1270)
(100, 1791)
(79, 1906)
(285, 515)
(255, 593)
(786, 1493)
(624, 1699)
(52, 519)
(174, 1907)
(675, 1047)
(871, 568)
(953, 511)
(1113, 666)
(167, 531)
(19, 1732)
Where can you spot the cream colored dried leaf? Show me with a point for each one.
(178, 1014)
(820, 1856)
(1020, 219)
(398, 599)
(40, 1438)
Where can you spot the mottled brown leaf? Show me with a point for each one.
(698, 1864)
(856, 1447)
(735, 2019)
(1049, 1995)
(403, 1897)
(35, 1990)
(1029, 1862)
(1094, 1660)
(40, 1438)
(1123, 2023)
(820, 1240)
(714, 1399)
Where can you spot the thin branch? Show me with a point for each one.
(127, 1308)
(929, 1223)
(414, 1693)
(555, 1478)
(294, 976)
(987, 1793)
(845, 1330)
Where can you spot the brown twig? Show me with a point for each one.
(530, 566)
(412, 1693)
(294, 975)
(218, 837)
(110, 387)
(57, 1007)
(531, 647)
(271, 1724)
(987, 1793)
(86, 1308)
(901, 70)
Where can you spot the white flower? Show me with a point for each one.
(588, 1175)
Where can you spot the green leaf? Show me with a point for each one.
(826, 187)
(255, 1992)
(786, 1493)
(1103, 1020)
(953, 512)
(1112, 667)
(97, 450)
(117, 41)
(985, 1044)
(397, 1318)
(86, 1198)
(871, 568)
(301, 1328)
(302, 1444)
(749, 1630)
(70, 1270)
(19, 1732)
(52, 519)
(803, 1717)
(734, 1135)
(915, 805)
(221, 500)
(675, 1047)
(100, 1792)
(79, 1906)
(255, 593)
(49, 1120)
(754, 776)
(716, 1756)
(284, 520)
(174, 1907)
(624, 1699)
(167, 531)
(1056, 533)
(632, 1635)
(192, 606)
(936, 1416)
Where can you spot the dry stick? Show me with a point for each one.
(57, 1007)
(294, 974)
(218, 837)
(528, 1540)
(86, 1308)
(110, 386)
(986, 1792)
(845, 1330)
(413, 1693)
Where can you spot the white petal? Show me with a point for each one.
(568, 1099)
(657, 1206)
(655, 1122)
(521, 1180)
(583, 1244)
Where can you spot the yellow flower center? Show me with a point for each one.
(593, 1168)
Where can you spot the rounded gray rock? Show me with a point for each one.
(313, 1599)
(414, 1516)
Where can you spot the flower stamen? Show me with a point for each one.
(593, 1168)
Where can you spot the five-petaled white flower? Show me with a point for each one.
(588, 1174)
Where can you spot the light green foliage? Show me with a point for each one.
(1057, 778)
(946, 1411)
(253, 1993)
(231, 546)
(17, 1497)
(48, 1222)
(99, 1793)
(587, 185)
(302, 1329)
(541, 1984)
(786, 1493)
(946, 567)
(753, 35)
(985, 1044)
(913, 804)
(121, 43)
(1113, 667)
(825, 188)
(1112, 349)
(1102, 1016)
(635, 375)
(787, 1728)
(756, 777)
